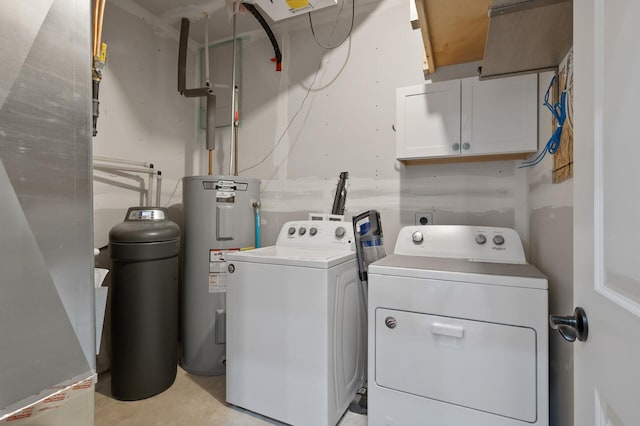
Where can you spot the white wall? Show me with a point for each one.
(142, 116)
(346, 124)
(551, 250)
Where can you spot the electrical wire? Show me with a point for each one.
(173, 193)
(558, 110)
(284, 132)
(315, 76)
(353, 14)
(569, 121)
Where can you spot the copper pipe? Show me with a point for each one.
(235, 148)
(96, 8)
(210, 162)
(103, 3)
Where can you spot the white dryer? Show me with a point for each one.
(457, 331)
(295, 325)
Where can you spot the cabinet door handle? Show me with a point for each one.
(456, 147)
(466, 145)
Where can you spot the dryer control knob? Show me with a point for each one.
(481, 239)
(417, 237)
(313, 231)
(498, 240)
(340, 232)
(292, 230)
(302, 230)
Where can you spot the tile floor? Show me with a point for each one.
(191, 400)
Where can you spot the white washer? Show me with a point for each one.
(295, 325)
(457, 331)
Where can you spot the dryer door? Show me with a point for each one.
(479, 365)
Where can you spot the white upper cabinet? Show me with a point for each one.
(499, 116)
(467, 118)
(427, 120)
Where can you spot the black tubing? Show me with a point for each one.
(341, 194)
(96, 105)
(251, 8)
(182, 55)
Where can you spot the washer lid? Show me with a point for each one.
(462, 270)
(293, 256)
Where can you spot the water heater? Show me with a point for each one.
(218, 219)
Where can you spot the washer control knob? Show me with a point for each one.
(313, 231)
(340, 232)
(292, 230)
(302, 230)
(417, 237)
(481, 239)
(498, 240)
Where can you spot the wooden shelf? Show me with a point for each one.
(470, 159)
(453, 31)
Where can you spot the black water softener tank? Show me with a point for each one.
(144, 290)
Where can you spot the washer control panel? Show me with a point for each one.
(312, 233)
(475, 243)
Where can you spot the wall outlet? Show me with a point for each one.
(423, 218)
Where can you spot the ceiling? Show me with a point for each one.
(168, 13)
(166, 8)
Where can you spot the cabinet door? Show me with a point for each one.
(428, 120)
(499, 116)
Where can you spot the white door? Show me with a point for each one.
(606, 204)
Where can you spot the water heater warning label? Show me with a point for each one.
(218, 270)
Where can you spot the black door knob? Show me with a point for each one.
(571, 327)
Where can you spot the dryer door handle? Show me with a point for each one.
(447, 330)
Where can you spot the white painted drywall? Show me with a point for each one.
(338, 110)
(344, 124)
(551, 250)
(142, 116)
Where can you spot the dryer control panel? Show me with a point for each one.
(475, 243)
(317, 234)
